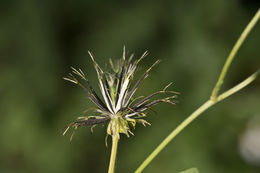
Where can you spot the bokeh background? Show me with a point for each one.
(40, 40)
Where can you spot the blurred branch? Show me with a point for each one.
(239, 86)
(232, 54)
(193, 116)
(214, 98)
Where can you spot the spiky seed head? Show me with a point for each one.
(116, 104)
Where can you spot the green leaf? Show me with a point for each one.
(191, 170)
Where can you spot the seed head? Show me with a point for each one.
(117, 106)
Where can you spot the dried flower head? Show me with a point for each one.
(117, 106)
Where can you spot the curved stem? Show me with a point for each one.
(193, 116)
(214, 98)
(174, 133)
(238, 87)
(232, 54)
(113, 154)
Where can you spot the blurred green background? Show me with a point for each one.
(40, 40)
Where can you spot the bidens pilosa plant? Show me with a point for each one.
(117, 106)
(117, 88)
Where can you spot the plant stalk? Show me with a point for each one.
(193, 116)
(214, 98)
(174, 133)
(232, 54)
(113, 154)
(239, 86)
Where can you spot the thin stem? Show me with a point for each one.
(232, 54)
(174, 133)
(214, 96)
(238, 87)
(113, 154)
(193, 116)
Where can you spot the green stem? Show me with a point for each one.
(174, 133)
(238, 87)
(193, 116)
(215, 98)
(113, 154)
(232, 54)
